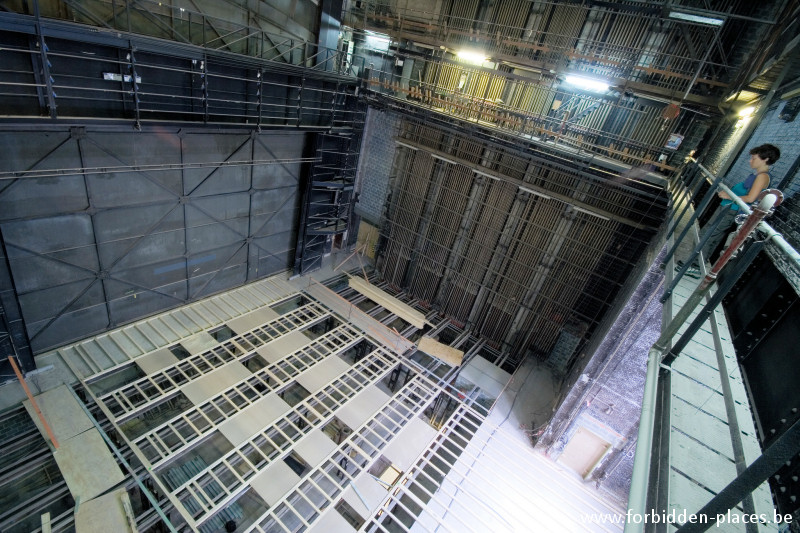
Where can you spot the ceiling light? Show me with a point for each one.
(469, 56)
(587, 84)
(710, 21)
(377, 41)
(747, 112)
(535, 193)
(576, 208)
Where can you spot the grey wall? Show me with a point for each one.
(109, 226)
(376, 169)
(605, 395)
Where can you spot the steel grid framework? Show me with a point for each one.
(209, 493)
(236, 29)
(640, 44)
(492, 249)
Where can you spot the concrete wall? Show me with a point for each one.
(128, 224)
(605, 395)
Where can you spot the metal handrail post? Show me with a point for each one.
(674, 185)
(714, 184)
(694, 256)
(673, 189)
(721, 292)
(767, 199)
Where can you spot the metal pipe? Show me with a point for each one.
(637, 497)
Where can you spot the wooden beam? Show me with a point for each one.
(436, 349)
(384, 299)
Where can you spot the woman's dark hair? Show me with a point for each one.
(768, 152)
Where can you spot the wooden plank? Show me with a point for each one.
(61, 410)
(390, 339)
(703, 373)
(698, 395)
(404, 311)
(87, 465)
(104, 513)
(434, 348)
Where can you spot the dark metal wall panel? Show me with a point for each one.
(116, 225)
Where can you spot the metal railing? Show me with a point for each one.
(686, 189)
(184, 25)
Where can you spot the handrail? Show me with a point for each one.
(768, 230)
(206, 31)
(744, 483)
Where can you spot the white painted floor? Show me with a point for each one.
(499, 483)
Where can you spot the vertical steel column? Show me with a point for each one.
(425, 216)
(542, 270)
(203, 87)
(259, 99)
(48, 79)
(499, 255)
(464, 229)
(134, 85)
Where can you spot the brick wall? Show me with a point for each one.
(782, 134)
(375, 168)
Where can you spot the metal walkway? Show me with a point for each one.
(701, 453)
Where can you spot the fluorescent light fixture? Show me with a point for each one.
(586, 83)
(490, 176)
(536, 193)
(113, 76)
(407, 146)
(471, 56)
(377, 41)
(747, 112)
(710, 21)
(589, 212)
(443, 159)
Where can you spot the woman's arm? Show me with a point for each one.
(759, 184)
